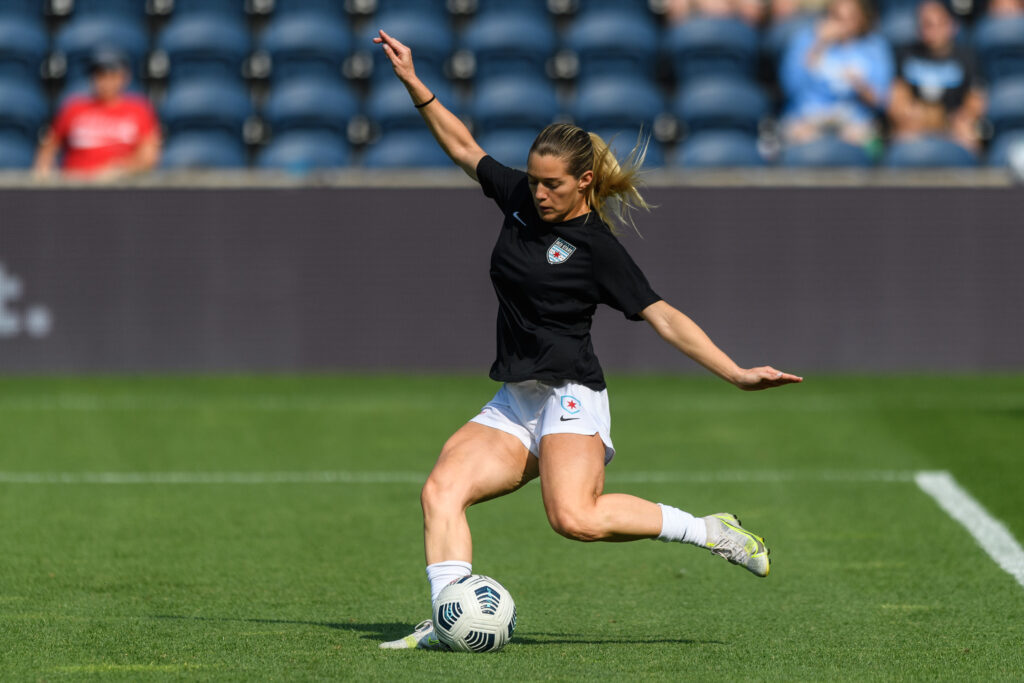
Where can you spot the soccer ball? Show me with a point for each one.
(474, 614)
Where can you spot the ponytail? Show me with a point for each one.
(612, 195)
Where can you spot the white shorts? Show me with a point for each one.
(531, 410)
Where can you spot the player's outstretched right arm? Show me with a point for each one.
(453, 136)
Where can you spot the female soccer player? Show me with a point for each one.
(554, 261)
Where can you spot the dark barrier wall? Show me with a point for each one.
(306, 279)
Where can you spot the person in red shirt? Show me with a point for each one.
(106, 134)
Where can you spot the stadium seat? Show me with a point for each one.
(389, 107)
(307, 43)
(24, 44)
(406, 149)
(430, 37)
(928, 152)
(205, 45)
(129, 9)
(30, 9)
(706, 46)
(300, 151)
(634, 7)
(433, 8)
(510, 43)
(899, 26)
(536, 8)
(720, 149)
(17, 151)
(331, 8)
(611, 42)
(1008, 150)
(721, 103)
(510, 147)
(206, 104)
(513, 102)
(77, 40)
(617, 102)
(203, 149)
(824, 153)
(311, 103)
(999, 42)
(623, 139)
(23, 107)
(1006, 105)
(230, 8)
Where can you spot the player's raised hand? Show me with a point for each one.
(765, 377)
(399, 54)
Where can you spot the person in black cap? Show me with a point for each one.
(107, 133)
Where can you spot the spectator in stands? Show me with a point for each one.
(937, 91)
(106, 134)
(750, 11)
(836, 76)
(781, 10)
(1005, 8)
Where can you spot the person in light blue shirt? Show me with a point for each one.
(836, 76)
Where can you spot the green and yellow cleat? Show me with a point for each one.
(727, 538)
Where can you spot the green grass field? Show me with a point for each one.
(160, 577)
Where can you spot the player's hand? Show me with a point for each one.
(765, 377)
(399, 55)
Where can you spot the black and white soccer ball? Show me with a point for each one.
(474, 614)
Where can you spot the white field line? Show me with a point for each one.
(991, 534)
(397, 477)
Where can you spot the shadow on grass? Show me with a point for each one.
(394, 630)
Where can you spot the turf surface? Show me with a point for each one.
(235, 581)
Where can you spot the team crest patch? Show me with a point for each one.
(571, 404)
(559, 252)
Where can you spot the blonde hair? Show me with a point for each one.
(613, 193)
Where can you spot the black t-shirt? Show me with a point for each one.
(939, 80)
(549, 278)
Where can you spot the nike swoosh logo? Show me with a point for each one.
(515, 214)
(567, 419)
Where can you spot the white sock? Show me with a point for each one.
(440, 574)
(681, 527)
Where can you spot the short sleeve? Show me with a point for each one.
(498, 181)
(621, 283)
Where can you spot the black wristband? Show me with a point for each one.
(432, 98)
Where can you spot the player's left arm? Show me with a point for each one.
(680, 331)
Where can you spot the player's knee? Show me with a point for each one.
(575, 525)
(440, 494)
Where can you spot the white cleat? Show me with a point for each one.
(728, 539)
(422, 638)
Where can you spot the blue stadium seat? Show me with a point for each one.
(510, 147)
(634, 7)
(230, 8)
(311, 103)
(203, 149)
(999, 42)
(623, 139)
(206, 104)
(510, 43)
(825, 152)
(406, 149)
(513, 102)
(617, 102)
(536, 8)
(77, 40)
(16, 150)
(1006, 149)
(614, 42)
(430, 37)
(720, 149)
(706, 46)
(307, 43)
(899, 26)
(1006, 105)
(23, 107)
(928, 152)
(205, 45)
(435, 8)
(301, 151)
(24, 44)
(388, 104)
(129, 9)
(331, 8)
(721, 103)
(30, 9)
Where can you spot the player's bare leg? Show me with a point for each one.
(477, 463)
